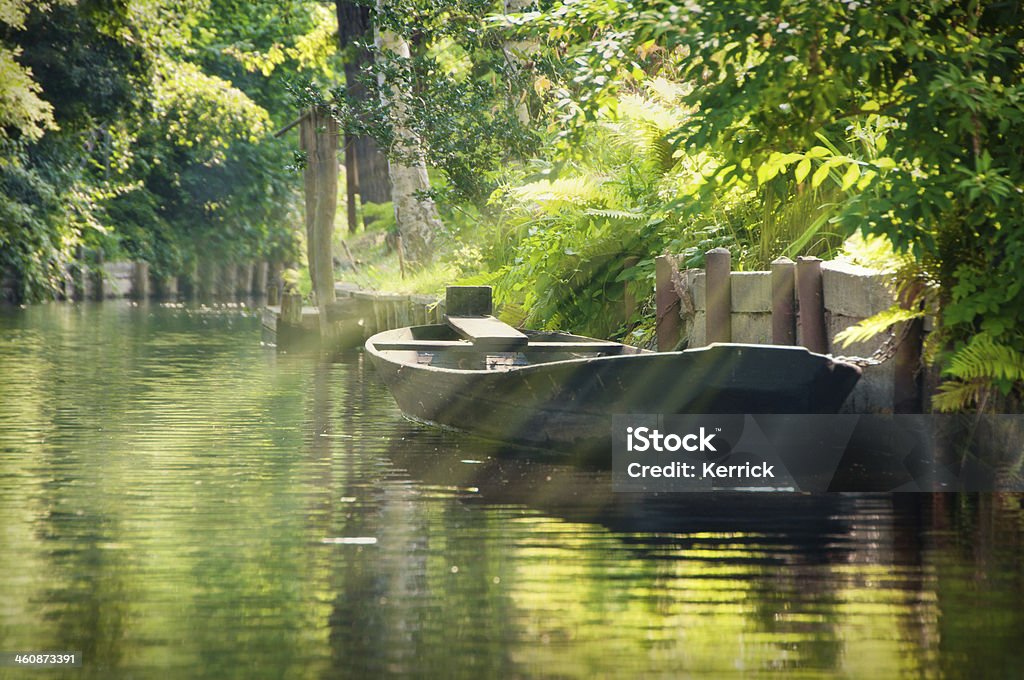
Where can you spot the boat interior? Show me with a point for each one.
(489, 346)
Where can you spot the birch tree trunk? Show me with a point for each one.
(416, 216)
(512, 50)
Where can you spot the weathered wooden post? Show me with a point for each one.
(273, 283)
(259, 278)
(163, 287)
(718, 293)
(243, 283)
(667, 305)
(205, 279)
(97, 277)
(469, 300)
(291, 309)
(140, 281)
(67, 283)
(79, 275)
(365, 311)
(228, 280)
(907, 381)
(783, 301)
(813, 334)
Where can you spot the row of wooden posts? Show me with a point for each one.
(795, 285)
(210, 280)
(797, 311)
(350, 319)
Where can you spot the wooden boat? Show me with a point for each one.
(559, 391)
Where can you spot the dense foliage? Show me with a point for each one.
(777, 127)
(570, 143)
(144, 129)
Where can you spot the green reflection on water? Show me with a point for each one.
(174, 496)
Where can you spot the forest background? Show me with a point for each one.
(560, 147)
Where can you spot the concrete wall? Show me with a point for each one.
(851, 294)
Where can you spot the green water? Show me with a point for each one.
(178, 501)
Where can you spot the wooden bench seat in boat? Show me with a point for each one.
(488, 334)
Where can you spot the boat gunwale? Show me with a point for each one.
(373, 351)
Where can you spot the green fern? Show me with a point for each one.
(626, 215)
(981, 369)
(983, 358)
(875, 325)
(956, 396)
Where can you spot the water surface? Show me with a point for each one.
(178, 501)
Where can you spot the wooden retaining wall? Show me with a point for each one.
(90, 278)
(804, 303)
(352, 318)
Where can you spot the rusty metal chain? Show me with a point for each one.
(885, 351)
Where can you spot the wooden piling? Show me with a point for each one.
(469, 300)
(783, 301)
(907, 374)
(259, 278)
(97, 277)
(667, 305)
(291, 309)
(226, 282)
(274, 283)
(366, 312)
(205, 279)
(718, 291)
(813, 333)
(243, 284)
(140, 281)
(163, 287)
(79, 276)
(380, 314)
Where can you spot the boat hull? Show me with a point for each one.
(567, 404)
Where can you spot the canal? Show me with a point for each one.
(177, 500)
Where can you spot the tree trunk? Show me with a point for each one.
(319, 133)
(416, 215)
(307, 143)
(374, 180)
(365, 162)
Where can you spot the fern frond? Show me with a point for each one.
(957, 396)
(985, 359)
(618, 214)
(572, 190)
(874, 325)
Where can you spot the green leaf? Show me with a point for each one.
(851, 175)
(802, 168)
(819, 175)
